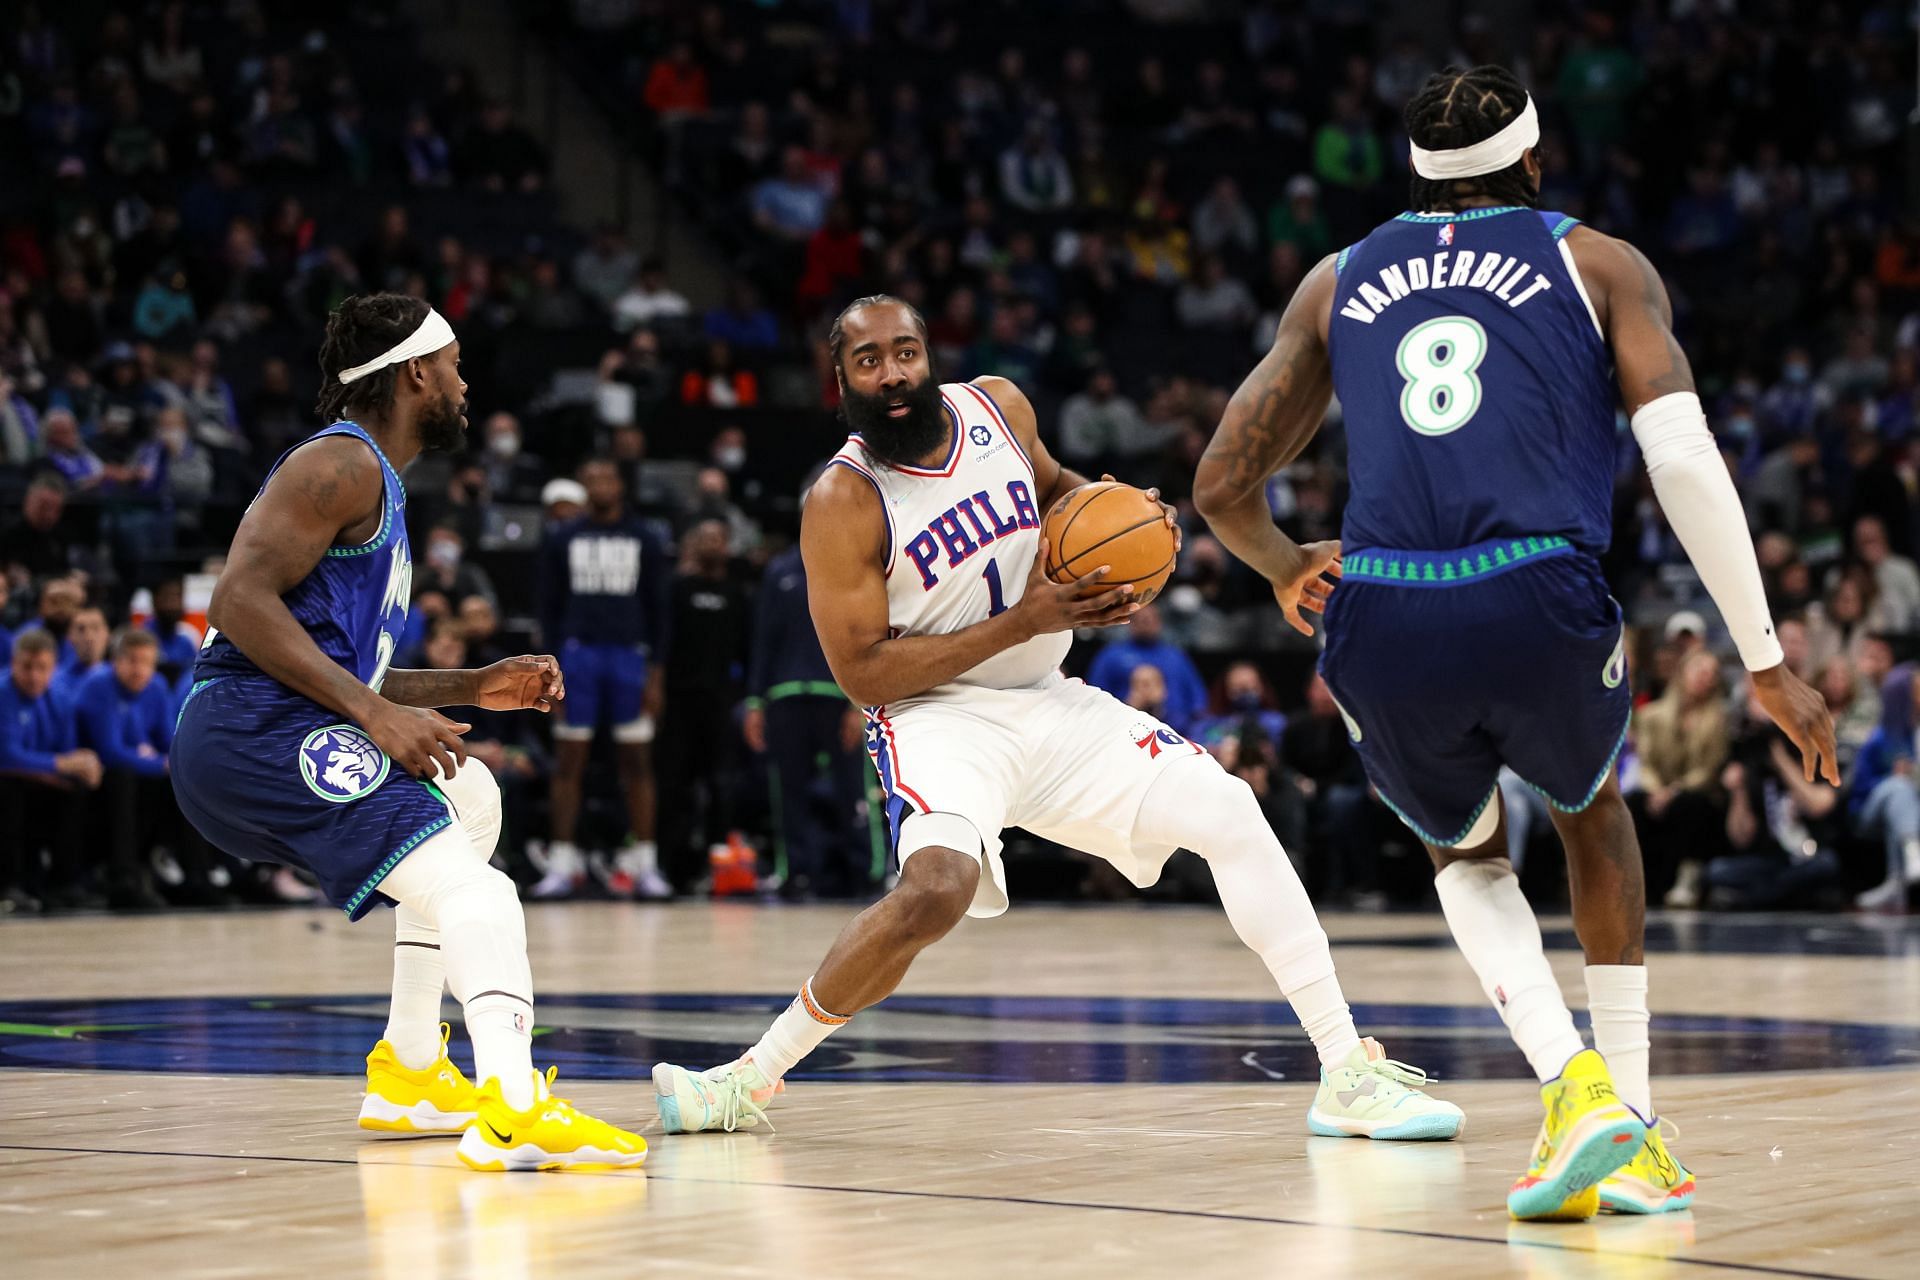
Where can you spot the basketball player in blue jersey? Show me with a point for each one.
(289, 738)
(924, 557)
(1479, 346)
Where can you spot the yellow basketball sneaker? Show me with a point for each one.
(1588, 1133)
(732, 1096)
(1372, 1096)
(434, 1099)
(551, 1134)
(1651, 1182)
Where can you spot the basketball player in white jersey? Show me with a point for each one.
(923, 553)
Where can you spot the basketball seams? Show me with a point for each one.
(1116, 534)
(1111, 486)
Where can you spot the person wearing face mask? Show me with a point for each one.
(187, 465)
(512, 476)
(1243, 703)
(1792, 404)
(447, 570)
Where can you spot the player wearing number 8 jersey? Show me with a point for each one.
(1479, 347)
(924, 553)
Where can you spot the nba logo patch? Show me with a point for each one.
(340, 763)
(1446, 234)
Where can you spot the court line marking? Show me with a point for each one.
(975, 1198)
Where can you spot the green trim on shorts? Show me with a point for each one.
(1427, 836)
(1606, 770)
(412, 842)
(1449, 568)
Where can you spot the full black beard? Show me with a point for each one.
(905, 440)
(440, 429)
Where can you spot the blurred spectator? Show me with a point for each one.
(498, 155)
(743, 322)
(1215, 300)
(69, 457)
(512, 474)
(1896, 580)
(790, 206)
(713, 501)
(1140, 643)
(61, 599)
(447, 570)
(1245, 704)
(429, 158)
(704, 680)
(677, 85)
(1681, 742)
(87, 637)
(1883, 796)
(1102, 430)
(604, 268)
(44, 775)
(1034, 175)
(548, 303)
(1778, 825)
(178, 640)
(719, 383)
(633, 381)
(648, 300)
(187, 465)
(1223, 225)
(1346, 152)
(1316, 747)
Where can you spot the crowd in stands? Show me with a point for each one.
(1110, 203)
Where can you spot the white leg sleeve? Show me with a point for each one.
(474, 797)
(1201, 807)
(483, 942)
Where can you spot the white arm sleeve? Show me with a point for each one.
(1704, 510)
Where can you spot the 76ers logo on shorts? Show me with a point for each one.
(340, 763)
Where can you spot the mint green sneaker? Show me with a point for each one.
(1372, 1096)
(728, 1097)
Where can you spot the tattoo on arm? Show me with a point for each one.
(1273, 415)
(1658, 315)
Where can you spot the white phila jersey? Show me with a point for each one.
(961, 539)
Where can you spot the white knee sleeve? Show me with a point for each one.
(474, 797)
(1202, 807)
(483, 935)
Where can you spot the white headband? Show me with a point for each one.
(434, 333)
(1489, 155)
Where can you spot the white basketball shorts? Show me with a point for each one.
(1064, 760)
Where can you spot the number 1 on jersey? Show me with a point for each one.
(996, 598)
(1438, 359)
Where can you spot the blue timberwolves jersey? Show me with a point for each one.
(1477, 389)
(354, 603)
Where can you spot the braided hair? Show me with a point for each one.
(1457, 107)
(359, 330)
(837, 336)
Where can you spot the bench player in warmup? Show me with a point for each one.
(923, 548)
(290, 735)
(1479, 347)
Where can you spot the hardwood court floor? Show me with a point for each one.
(180, 1090)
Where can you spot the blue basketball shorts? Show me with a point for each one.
(606, 684)
(1448, 665)
(270, 776)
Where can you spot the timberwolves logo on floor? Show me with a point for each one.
(341, 764)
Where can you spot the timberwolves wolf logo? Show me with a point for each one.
(340, 763)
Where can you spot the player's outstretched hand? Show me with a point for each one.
(1802, 715)
(517, 684)
(1050, 606)
(418, 739)
(1305, 585)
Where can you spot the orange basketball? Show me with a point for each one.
(1106, 522)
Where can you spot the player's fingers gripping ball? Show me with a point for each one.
(1107, 522)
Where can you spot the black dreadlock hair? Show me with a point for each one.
(1457, 107)
(837, 336)
(360, 329)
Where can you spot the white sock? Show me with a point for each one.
(1203, 808)
(483, 942)
(1617, 1001)
(419, 976)
(796, 1033)
(640, 857)
(1500, 938)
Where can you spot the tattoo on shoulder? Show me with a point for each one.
(1678, 375)
(1258, 429)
